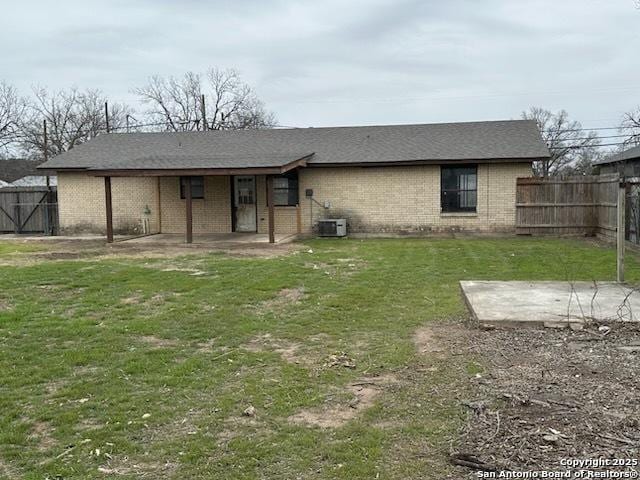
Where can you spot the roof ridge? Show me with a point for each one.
(334, 127)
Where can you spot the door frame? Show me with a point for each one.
(234, 219)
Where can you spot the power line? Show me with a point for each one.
(576, 147)
(582, 129)
(598, 137)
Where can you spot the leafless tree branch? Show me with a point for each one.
(630, 126)
(12, 108)
(72, 116)
(230, 103)
(562, 136)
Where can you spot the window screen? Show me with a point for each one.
(197, 186)
(459, 188)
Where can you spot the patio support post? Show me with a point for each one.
(272, 237)
(109, 208)
(188, 199)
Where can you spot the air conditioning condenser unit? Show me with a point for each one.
(332, 227)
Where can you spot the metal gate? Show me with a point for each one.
(29, 210)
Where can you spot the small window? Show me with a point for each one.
(197, 186)
(285, 190)
(459, 188)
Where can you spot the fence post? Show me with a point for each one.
(45, 218)
(620, 237)
(16, 215)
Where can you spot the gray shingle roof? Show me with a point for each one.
(630, 154)
(496, 140)
(180, 161)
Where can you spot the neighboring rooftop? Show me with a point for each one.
(35, 181)
(629, 154)
(517, 140)
(12, 169)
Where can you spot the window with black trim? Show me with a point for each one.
(459, 188)
(197, 186)
(285, 190)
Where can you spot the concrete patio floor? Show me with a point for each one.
(209, 239)
(550, 304)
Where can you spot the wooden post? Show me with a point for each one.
(620, 237)
(17, 217)
(188, 199)
(272, 236)
(109, 208)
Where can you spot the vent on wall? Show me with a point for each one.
(332, 227)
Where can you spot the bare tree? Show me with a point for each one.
(564, 137)
(584, 162)
(72, 116)
(222, 101)
(631, 126)
(12, 110)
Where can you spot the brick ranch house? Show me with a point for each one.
(400, 178)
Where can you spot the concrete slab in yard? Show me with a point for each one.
(552, 304)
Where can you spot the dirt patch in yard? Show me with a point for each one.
(284, 298)
(241, 425)
(133, 299)
(98, 249)
(135, 469)
(157, 342)
(289, 351)
(207, 346)
(262, 251)
(7, 471)
(137, 298)
(194, 272)
(42, 433)
(429, 339)
(542, 395)
(363, 394)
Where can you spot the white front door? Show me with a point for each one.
(244, 188)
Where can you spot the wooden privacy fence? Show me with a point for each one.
(29, 210)
(584, 205)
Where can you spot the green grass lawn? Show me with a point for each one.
(120, 367)
(15, 247)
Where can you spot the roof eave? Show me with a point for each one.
(407, 163)
(176, 172)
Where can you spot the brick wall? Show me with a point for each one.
(81, 203)
(212, 214)
(286, 218)
(407, 199)
(373, 199)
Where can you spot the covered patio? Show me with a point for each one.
(225, 168)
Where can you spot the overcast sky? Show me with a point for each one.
(344, 62)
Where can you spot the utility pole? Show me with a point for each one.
(46, 147)
(204, 114)
(106, 115)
